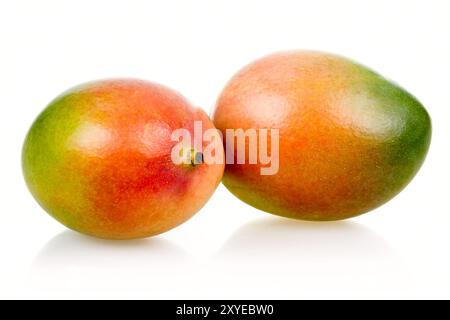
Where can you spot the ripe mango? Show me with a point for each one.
(349, 140)
(98, 159)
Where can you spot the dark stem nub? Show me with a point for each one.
(194, 158)
(197, 158)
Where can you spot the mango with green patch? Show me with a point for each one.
(98, 159)
(350, 140)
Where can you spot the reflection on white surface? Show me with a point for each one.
(296, 239)
(71, 261)
(336, 259)
(269, 258)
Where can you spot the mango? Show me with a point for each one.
(349, 140)
(99, 160)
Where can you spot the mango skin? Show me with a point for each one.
(350, 140)
(98, 159)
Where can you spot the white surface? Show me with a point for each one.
(229, 250)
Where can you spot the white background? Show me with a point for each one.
(228, 250)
